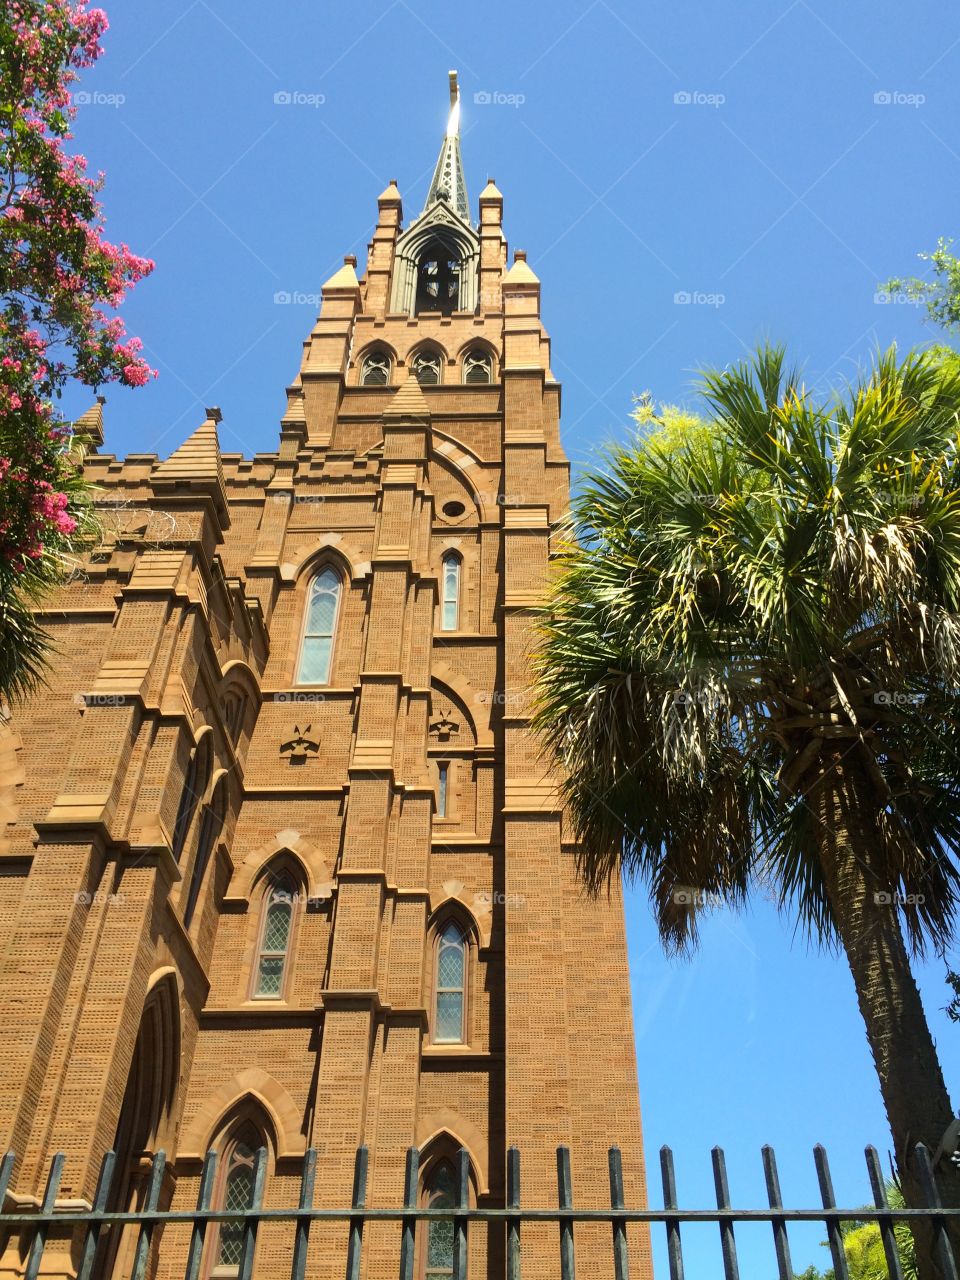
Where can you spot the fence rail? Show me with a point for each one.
(93, 1223)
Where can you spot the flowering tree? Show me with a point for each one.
(60, 282)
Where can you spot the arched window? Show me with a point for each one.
(235, 1192)
(450, 592)
(234, 705)
(443, 779)
(428, 366)
(276, 928)
(194, 785)
(438, 277)
(450, 1021)
(323, 601)
(211, 824)
(439, 1192)
(375, 370)
(477, 367)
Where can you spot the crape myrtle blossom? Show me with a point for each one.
(59, 279)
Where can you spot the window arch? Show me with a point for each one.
(477, 366)
(438, 276)
(195, 783)
(211, 825)
(375, 369)
(319, 626)
(451, 565)
(236, 1186)
(450, 994)
(428, 367)
(274, 936)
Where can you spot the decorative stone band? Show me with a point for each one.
(531, 795)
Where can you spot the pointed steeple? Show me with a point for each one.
(448, 181)
(409, 401)
(89, 426)
(196, 467)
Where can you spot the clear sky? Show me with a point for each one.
(771, 162)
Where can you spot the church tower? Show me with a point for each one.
(282, 862)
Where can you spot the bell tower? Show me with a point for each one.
(318, 873)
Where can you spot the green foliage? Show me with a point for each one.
(940, 295)
(863, 1247)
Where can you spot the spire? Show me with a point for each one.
(196, 465)
(448, 182)
(89, 426)
(409, 401)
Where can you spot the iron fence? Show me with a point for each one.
(34, 1227)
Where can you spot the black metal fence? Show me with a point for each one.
(93, 1224)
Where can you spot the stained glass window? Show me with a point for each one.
(237, 1195)
(450, 602)
(451, 985)
(440, 1194)
(274, 939)
(317, 650)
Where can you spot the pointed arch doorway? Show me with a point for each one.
(146, 1122)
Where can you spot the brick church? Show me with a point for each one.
(282, 864)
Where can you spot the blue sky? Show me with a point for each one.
(773, 162)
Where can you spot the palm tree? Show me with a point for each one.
(750, 669)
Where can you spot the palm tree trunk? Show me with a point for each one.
(911, 1080)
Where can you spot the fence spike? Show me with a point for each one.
(781, 1241)
(355, 1241)
(621, 1258)
(204, 1197)
(942, 1248)
(728, 1243)
(565, 1194)
(302, 1236)
(91, 1237)
(834, 1234)
(49, 1200)
(408, 1239)
(145, 1237)
(887, 1233)
(669, 1180)
(513, 1225)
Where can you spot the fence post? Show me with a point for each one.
(198, 1234)
(92, 1235)
(834, 1234)
(513, 1224)
(728, 1243)
(356, 1224)
(49, 1200)
(669, 1180)
(408, 1240)
(565, 1194)
(942, 1248)
(621, 1263)
(887, 1233)
(781, 1242)
(302, 1238)
(145, 1238)
(251, 1221)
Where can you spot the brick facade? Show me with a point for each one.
(132, 920)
